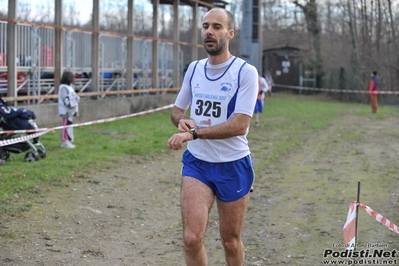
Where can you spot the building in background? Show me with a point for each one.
(251, 34)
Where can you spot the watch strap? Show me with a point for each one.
(193, 131)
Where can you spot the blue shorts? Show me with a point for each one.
(258, 107)
(229, 181)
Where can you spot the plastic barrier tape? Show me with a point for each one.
(331, 90)
(42, 131)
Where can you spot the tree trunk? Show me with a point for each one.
(378, 31)
(394, 39)
(314, 29)
(355, 53)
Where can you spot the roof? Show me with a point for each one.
(203, 3)
(285, 48)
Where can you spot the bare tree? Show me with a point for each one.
(46, 13)
(394, 39)
(24, 11)
(71, 15)
(234, 8)
(313, 27)
(165, 20)
(142, 20)
(113, 16)
(342, 39)
(378, 31)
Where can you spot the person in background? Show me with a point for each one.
(373, 89)
(263, 89)
(67, 108)
(220, 92)
(270, 83)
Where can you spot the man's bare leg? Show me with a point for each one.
(196, 202)
(232, 215)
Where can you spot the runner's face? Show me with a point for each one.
(215, 32)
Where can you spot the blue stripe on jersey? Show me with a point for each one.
(232, 103)
(192, 74)
(206, 63)
(191, 78)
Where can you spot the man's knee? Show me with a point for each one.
(232, 244)
(192, 242)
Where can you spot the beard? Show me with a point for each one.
(217, 47)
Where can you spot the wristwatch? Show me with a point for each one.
(193, 131)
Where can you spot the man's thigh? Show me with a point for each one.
(232, 216)
(196, 202)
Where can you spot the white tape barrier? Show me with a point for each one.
(42, 131)
(331, 90)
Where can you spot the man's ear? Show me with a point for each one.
(231, 34)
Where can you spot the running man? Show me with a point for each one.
(220, 91)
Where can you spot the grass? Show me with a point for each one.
(97, 143)
(290, 119)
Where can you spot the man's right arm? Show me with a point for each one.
(176, 115)
(183, 100)
(180, 120)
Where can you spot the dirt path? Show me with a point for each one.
(128, 214)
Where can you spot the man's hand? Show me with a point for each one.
(177, 141)
(185, 125)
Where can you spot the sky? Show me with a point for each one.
(38, 5)
(84, 7)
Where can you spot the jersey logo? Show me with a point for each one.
(206, 122)
(226, 87)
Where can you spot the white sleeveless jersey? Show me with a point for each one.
(216, 94)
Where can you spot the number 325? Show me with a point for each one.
(208, 108)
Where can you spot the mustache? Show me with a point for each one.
(209, 38)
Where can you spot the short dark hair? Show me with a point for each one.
(67, 78)
(374, 72)
(230, 17)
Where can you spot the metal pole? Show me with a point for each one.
(130, 46)
(357, 210)
(12, 51)
(59, 43)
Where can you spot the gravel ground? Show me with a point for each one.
(129, 212)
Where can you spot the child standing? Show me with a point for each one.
(67, 108)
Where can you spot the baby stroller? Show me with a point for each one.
(12, 118)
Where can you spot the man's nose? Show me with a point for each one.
(208, 32)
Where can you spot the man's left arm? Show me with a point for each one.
(245, 105)
(238, 126)
(235, 127)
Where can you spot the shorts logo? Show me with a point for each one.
(238, 191)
